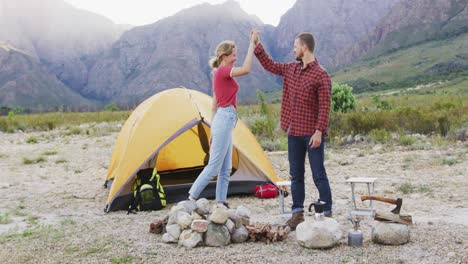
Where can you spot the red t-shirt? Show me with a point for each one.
(225, 87)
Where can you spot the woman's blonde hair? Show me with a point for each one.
(224, 48)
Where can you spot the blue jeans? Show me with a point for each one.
(298, 146)
(220, 162)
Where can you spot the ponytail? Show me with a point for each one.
(223, 48)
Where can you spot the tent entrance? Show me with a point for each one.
(183, 159)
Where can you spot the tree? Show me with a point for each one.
(342, 98)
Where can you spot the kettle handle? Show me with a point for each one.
(310, 207)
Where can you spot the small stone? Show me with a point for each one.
(168, 238)
(232, 213)
(184, 220)
(196, 216)
(190, 238)
(203, 206)
(177, 208)
(199, 225)
(173, 230)
(245, 221)
(230, 226)
(219, 216)
(189, 206)
(451, 254)
(243, 211)
(240, 235)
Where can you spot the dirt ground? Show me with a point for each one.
(51, 211)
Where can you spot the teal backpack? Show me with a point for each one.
(148, 193)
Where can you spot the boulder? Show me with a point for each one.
(219, 216)
(390, 233)
(184, 220)
(318, 233)
(189, 206)
(190, 238)
(173, 230)
(217, 235)
(240, 235)
(203, 206)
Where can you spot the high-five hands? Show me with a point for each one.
(255, 36)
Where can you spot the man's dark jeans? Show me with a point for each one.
(298, 146)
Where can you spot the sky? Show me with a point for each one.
(142, 12)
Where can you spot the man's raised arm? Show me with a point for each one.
(267, 62)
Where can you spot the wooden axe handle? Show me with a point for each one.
(376, 198)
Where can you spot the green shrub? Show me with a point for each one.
(380, 135)
(342, 98)
(112, 107)
(33, 161)
(5, 218)
(31, 140)
(407, 140)
(406, 188)
(50, 152)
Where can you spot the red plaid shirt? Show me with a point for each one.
(305, 105)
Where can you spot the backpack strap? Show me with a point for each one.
(159, 187)
(136, 198)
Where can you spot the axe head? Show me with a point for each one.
(398, 203)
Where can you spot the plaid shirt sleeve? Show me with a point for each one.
(268, 63)
(324, 100)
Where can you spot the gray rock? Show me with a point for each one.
(318, 234)
(199, 226)
(219, 216)
(178, 208)
(243, 211)
(184, 220)
(390, 233)
(189, 206)
(190, 238)
(166, 238)
(238, 221)
(196, 216)
(232, 214)
(240, 235)
(245, 221)
(217, 235)
(230, 226)
(173, 230)
(203, 206)
(173, 216)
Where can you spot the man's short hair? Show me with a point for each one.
(308, 40)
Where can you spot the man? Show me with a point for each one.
(305, 110)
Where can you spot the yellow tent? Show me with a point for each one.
(171, 131)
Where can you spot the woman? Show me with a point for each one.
(224, 118)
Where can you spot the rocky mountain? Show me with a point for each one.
(175, 52)
(411, 22)
(57, 34)
(335, 24)
(25, 82)
(66, 52)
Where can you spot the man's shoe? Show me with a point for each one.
(329, 215)
(295, 220)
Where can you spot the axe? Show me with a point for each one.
(397, 201)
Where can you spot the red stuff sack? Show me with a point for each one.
(268, 190)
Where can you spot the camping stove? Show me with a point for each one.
(355, 236)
